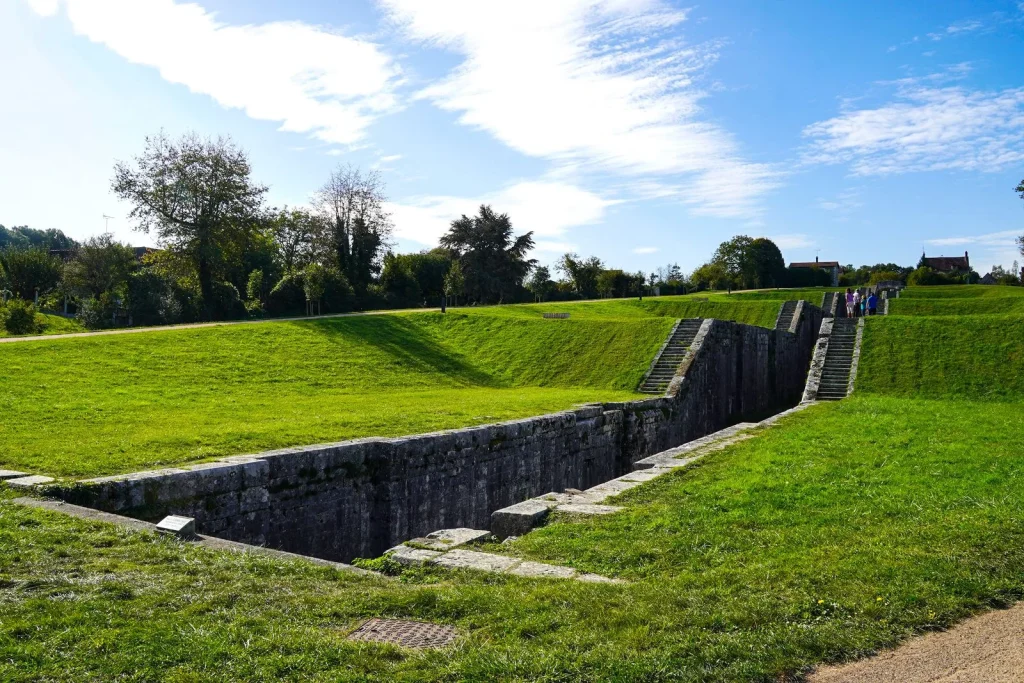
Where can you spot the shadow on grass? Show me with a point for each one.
(403, 340)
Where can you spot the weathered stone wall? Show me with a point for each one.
(359, 498)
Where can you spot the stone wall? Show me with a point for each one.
(359, 498)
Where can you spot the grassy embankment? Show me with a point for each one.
(848, 528)
(50, 324)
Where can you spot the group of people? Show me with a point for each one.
(857, 305)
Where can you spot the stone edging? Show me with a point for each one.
(818, 360)
(856, 356)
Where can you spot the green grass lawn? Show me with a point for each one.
(961, 292)
(848, 528)
(978, 356)
(99, 405)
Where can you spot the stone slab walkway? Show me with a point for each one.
(988, 648)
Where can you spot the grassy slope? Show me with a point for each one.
(847, 529)
(935, 306)
(90, 406)
(52, 324)
(961, 292)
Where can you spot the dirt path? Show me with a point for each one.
(163, 328)
(985, 649)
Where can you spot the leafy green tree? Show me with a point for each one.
(540, 283)
(398, 283)
(313, 286)
(297, 233)
(30, 270)
(198, 196)
(24, 237)
(711, 275)
(613, 283)
(581, 273)
(454, 282)
(767, 265)
(99, 266)
(428, 268)
(493, 259)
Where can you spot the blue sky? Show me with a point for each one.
(643, 132)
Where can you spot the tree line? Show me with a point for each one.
(225, 254)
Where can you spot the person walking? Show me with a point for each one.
(856, 304)
(849, 302)
(873, 304)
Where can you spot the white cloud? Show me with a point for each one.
(843, 203)
(46, 8)
(594, 84)
(645, 250)
(550, 247)
(925, 129)
(300, 75)
(548, 208)
(389, 158)
(792, 241)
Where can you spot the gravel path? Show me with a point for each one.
(985, 649)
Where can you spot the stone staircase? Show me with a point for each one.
(671, 356)
(835, 376)
(786, 314)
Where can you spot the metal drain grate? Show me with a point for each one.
(415, 634)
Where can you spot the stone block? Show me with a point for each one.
(519, 519)
(583, 509)
(29, 482)
(411, 557)
(180, 527)
(470, 559)
(536, 570)
(446, 539)
(12, 474)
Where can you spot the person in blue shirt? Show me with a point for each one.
(872, 304)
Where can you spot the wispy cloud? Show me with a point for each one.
(595, 84)
(957, 28)
(843, 203)
(548, 208)
(645, 250)
(925, 128)
(793, 241)
(294, 73)
(1005, 238)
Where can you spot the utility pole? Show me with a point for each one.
(106, 223)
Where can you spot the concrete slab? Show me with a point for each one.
(470, 559)
(535, 570)
(29, 482)
(12, 474)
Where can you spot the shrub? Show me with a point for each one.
(925, 276)
(18, 316)
(97, 312)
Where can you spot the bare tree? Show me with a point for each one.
(358, 227)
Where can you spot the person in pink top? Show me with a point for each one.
(849, 302)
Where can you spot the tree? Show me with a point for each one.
(613, 283)
(711, 276)
(767, 264)
(358, 227)
(296, 232)
(197, 195)
(24, 237)
(454, 281)
(100, 266)
(492, 258)
(581, 273)
(29, 271)
(735, 257)
(313, 285)
(399, 284)
(540, 283)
